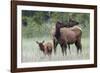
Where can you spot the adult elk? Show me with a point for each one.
(66, 36)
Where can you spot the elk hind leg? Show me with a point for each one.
(69, 48)
(77, 46)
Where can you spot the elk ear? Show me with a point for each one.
(37, 42)
(77, 22)
(43, 41)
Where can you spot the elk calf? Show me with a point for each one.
(45, 48)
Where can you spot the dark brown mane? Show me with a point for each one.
(58, 26)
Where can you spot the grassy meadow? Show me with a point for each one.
(36, 26)
(32, 53)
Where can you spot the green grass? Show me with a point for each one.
(31, 52)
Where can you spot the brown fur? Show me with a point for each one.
(45, 48)
(58, 37)
(70, 36)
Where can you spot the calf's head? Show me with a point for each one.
(40, 44)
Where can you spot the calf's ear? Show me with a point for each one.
(37, 42)
(43, 41)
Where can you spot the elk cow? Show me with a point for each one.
(66, 36)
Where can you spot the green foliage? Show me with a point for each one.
(39, 23)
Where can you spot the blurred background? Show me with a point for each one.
(39, 23)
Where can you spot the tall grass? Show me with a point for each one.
(32, 53)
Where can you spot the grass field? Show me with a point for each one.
(30, 51)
